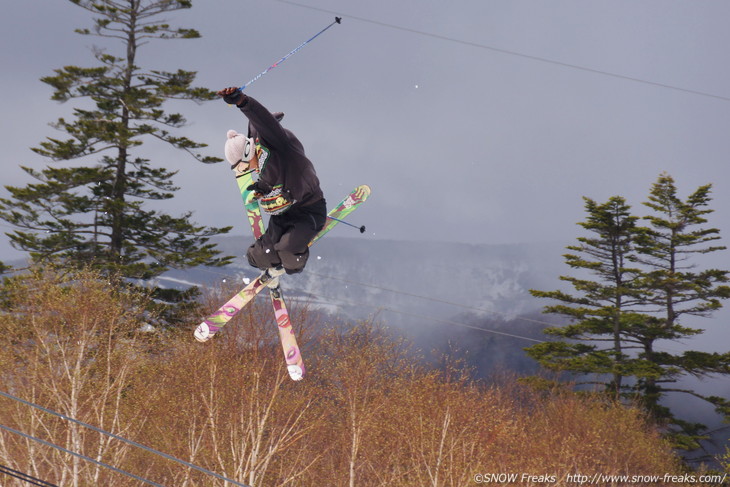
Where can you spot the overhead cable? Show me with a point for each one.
(117, 437)
(513, 53)
(84, 457)
(25, 477)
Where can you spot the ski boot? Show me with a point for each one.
(270, 277)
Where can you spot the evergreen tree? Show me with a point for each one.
(674, 290)
(600, 309)
(98, 213)
(644, 283)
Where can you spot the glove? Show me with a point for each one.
(232, 95)
(256, 189)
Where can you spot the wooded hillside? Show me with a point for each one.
(367, 414)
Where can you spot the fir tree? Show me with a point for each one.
(600, 309)
(98, 213)
(644, 283)
(674, 289)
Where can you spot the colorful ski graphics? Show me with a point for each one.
(294, 361)
(244, 180)
(346, 206)
(225, 313)
(220, 318)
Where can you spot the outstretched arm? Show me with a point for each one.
(265, 122)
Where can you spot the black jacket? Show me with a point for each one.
(283, 161)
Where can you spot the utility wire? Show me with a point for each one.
(25, 477)
(406, 313)
(337, 301)
(89, 459)
(512, 53)
(117, 437)
(436, 300)
(404, 293)
(414, 315)
(341, 303)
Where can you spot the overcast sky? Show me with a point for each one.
(459, 140)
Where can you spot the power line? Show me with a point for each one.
(84, 457)
(25, 477)
(513, 53)
(404, 293)
(335, 302)
(111, 435)
(406, 313)
(436, 300)
(422, 317)
(340, 303)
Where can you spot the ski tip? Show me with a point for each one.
(363, 192)
(202, 332)
(295, 372)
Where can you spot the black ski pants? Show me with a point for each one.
(286, 240)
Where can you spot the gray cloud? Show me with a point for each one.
(458, 142)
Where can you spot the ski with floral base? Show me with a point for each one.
(292, 355)
(220, 318)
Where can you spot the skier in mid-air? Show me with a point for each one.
(287, 187)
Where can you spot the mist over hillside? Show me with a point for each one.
(470, 297)
(359, 276)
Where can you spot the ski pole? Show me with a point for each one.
(362, 228)
(337, 21)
